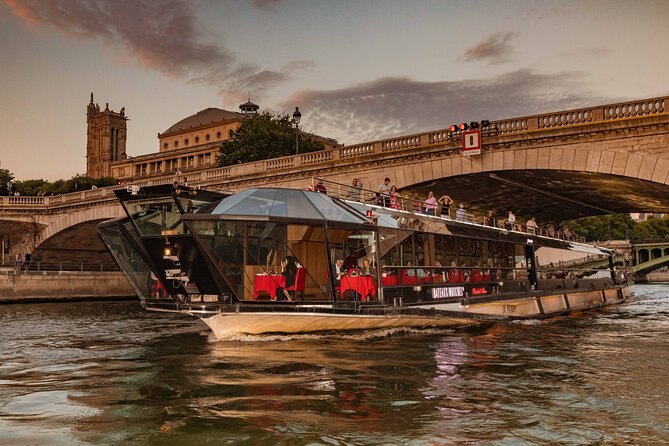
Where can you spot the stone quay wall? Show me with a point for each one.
(64, 286)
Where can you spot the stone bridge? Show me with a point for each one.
(555, 166)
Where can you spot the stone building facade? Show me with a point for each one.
(191, 144)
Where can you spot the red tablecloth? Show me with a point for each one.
(267, 283)
(389, 281)
(361, 284)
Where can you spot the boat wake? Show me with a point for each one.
(365, 335)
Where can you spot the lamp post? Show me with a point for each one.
(296, 119)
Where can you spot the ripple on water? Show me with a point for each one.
(111, 373)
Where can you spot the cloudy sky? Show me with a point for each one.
(358, 69)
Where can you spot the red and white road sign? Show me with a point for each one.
(471, 142)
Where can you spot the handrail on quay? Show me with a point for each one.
(36, 266)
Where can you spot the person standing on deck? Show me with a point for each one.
(430, 204)
(445, 202)
(353, 192)
(384, 192)
(461, 214)
(510, 221)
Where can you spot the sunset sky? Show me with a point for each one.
(359, 70)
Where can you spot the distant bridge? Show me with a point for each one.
(554, 166)
(650, 255)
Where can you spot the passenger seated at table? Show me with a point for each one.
(454, 274)
(289, 269)
(466, 273)
(366, 269)
(438, 273)
(477, 276)
(410, 271)
(420, 272)
(339, 271)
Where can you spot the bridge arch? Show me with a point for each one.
(551, 183)
(75, 244)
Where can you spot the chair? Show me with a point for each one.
(300, 281)
(408, 280)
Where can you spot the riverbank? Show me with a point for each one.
(63, 286)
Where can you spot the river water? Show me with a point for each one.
(111, 373)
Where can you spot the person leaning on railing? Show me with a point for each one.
(354, 191)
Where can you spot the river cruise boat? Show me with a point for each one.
(274, 260)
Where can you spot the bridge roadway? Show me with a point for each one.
(554, 166)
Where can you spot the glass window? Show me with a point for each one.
(145, 283)
(152, 216)
(258, 269)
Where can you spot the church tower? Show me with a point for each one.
(106, 135)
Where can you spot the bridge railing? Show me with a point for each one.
(663, 241)
(610, 112)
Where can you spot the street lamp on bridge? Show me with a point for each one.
(296, 119)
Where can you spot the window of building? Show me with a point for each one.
(197, 139)
(186, 142)
(206, 137)
(218, 135)
(165, 146)
(176, 143)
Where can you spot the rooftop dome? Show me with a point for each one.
(203, 117)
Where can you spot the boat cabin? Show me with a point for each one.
(195, 250)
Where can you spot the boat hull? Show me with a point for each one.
(225, 325)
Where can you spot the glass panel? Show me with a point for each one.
(152, 216)
(332, 211)
(306, 245)
(191, 205)
(353, 254)
(275, 257)
(144, 282)
(389, 252)
(225, 240)
(231, 201)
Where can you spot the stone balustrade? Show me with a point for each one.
(588, 115)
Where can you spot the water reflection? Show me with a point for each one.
(111, 373)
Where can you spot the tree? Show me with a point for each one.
(263, 136)
(74, 184)
(5, 178)
(619, 227)
(603, 227)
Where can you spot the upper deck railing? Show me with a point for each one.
(562, 119)
(420, 207)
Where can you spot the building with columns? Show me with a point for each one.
(192, 143)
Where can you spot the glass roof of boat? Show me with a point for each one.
(291, 203)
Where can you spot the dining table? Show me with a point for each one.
(363, 285)
(268, 283)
